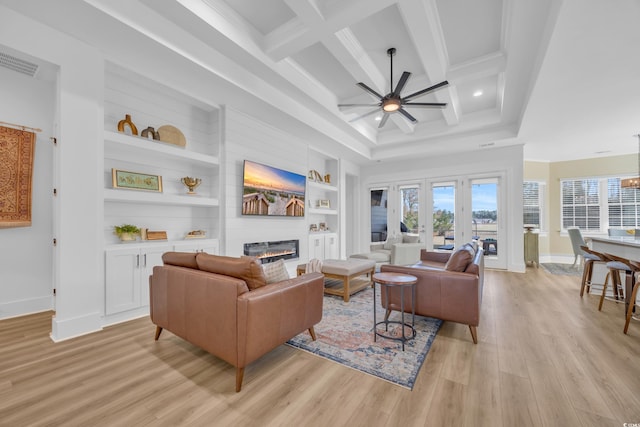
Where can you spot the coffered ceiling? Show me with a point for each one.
(557, 76)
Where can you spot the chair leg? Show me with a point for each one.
(158, 331)
(604, 291)
(387, 314)
(239, 377)
(586, 277)
(474, 334)
(312, 332)
(632, 304)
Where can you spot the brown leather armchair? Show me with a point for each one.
(447, 290)
(224, 306)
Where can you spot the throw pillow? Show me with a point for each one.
(180, 259)
(391, 241)
(459, 260)
(275, 271)
(248, 269)
(410, 238)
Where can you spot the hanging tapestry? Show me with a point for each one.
(16, 167)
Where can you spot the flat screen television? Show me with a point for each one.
(270, 191)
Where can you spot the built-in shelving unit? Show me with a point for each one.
(323, 205)
(150, 104)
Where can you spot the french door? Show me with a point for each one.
(485, 220)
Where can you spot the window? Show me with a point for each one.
(624, 205)
(581, 204)
(596, 204)
(532, 197)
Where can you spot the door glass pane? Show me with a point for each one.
(484, 208)
(379, 215)
(444, 197)
(409, 209)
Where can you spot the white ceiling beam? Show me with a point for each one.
(423, 23)
(312, 24)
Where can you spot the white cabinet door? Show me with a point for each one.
(122, 269)
(149, 259)
(331, 246)
(316, 246)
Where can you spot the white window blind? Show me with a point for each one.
(623, 204)
(532, 203)
(580, 204)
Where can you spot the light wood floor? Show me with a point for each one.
(546, 357)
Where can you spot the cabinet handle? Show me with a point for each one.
(145, 261)
(137, 261)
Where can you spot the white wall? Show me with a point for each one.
(78, 271)
(247, 138)
(26, 252)
(506, 162)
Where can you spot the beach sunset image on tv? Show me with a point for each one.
(272, 191)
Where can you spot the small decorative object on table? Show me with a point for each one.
(196, 234)
(127, 122)
(313, 227)
(191, 183)
(126, 232)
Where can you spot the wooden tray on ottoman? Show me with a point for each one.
(345, 277)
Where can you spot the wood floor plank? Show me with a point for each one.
(545, 357)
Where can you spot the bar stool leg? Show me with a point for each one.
(604, 288)
(632, 304)
(586, 277)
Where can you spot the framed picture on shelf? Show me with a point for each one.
(136, 181)
(324, 203)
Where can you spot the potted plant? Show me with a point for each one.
(126, 232)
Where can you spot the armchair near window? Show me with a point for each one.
(401, 250)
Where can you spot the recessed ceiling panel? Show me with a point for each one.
(324, 67)
(264, 15)
(471, 28)
(381, 31)
(476, 95)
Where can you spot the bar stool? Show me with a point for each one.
(632, 300)
(591, 257)
(615, 265)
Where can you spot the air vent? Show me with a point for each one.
(18, 65)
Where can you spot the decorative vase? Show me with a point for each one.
(127, 237)
(127, 121)
(150, 131)
(191, 183)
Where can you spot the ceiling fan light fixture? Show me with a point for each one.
(391, 105)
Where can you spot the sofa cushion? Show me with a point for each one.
(275, 271)
(180, 259)
(410, 238)
(246, 268)
(391, 241)
(459, 259)
(381, 255)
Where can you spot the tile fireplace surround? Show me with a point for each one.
(273, 251)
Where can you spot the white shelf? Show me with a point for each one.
(123, 143)
(132, 196)
(322, 211)
(322, 186)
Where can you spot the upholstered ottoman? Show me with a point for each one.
(344, 277)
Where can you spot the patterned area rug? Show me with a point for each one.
(563, 269)
(345, 335)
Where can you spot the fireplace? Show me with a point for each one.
(273, 251)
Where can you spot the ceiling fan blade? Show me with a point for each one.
(427, 90)
(358, 105)
(425, 104)
(384, 120)
(407, 115)
(371, 91)
(365, 115)
(401, 83)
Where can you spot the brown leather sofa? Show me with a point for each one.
(224, 305)
(449, 286)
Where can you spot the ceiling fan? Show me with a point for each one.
(393, 102)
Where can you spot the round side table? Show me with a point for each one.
(401, 281)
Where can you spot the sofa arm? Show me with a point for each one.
(376, 246)
(273, 314)
(405, 253)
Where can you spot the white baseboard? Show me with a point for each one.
(64, 329)
(24, 307)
